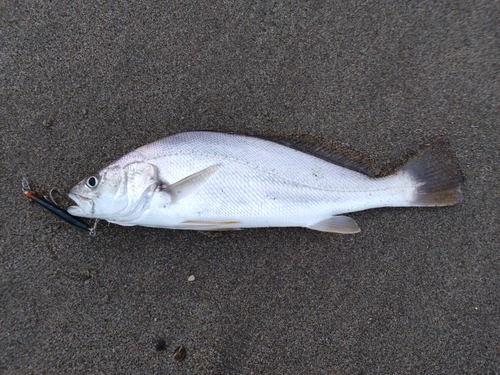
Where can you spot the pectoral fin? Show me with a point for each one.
(190, 184)
(337, 224)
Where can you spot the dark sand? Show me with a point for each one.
(417, 291)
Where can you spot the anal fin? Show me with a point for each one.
(337, 224)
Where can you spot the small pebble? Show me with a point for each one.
(161, 345)
(191, 278)
(180, 353)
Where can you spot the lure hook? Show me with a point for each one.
(25, 184)
(52, 198)
(93, 231)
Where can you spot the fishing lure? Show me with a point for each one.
(56, 210)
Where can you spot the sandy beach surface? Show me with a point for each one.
(84, 82)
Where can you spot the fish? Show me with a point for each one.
(215, 181)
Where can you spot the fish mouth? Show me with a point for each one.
(84, 206)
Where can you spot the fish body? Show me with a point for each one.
(220, 181)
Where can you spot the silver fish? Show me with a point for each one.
(219, 181)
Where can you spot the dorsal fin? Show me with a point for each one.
(331, 152)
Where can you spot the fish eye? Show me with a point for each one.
(92, 181)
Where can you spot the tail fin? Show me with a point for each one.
(437, 176)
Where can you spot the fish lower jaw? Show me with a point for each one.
(79, 209)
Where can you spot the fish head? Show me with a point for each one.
(101, 194)
(114, 192)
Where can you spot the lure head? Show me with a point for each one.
(115, 192)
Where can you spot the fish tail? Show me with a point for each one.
(436, 175)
